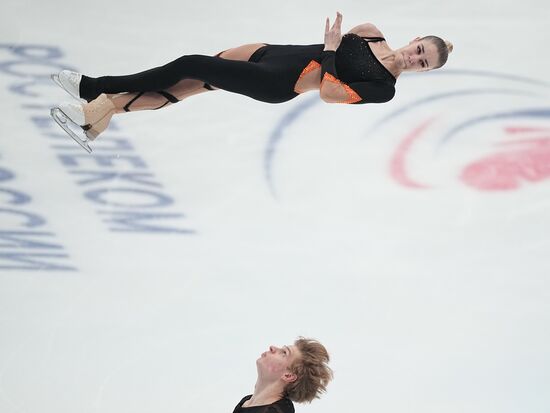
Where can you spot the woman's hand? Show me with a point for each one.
(333, 36)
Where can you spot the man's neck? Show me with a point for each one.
(265, 393)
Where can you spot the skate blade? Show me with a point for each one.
(64, 121)
(55, 78)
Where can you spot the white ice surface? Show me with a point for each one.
(430, 299)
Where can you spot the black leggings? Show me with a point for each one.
(269, 75)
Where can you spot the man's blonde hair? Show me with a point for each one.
(312, 371)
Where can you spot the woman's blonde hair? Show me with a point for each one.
(312, 371)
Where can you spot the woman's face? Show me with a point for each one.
(419, 55)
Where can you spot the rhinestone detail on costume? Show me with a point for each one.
(355, 62)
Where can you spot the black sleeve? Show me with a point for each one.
(328, 63)
(373, 92)
(369, 92)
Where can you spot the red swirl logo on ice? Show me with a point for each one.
(520, 156)
(495, 138)
(516, 162)
(482, 130)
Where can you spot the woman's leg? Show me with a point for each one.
(131, 102)
(100, 110)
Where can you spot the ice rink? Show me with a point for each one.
(412, 238)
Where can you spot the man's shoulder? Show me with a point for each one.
(283, 405)
(240, 404)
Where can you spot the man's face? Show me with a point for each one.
(274, 364)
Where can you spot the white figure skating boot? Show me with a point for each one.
(85, 122)
(70, 82)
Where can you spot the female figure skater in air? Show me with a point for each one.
(359, 67)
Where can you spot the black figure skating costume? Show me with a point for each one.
(270, 75)
(283, 405)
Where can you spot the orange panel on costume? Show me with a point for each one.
(312, 65)
(352, 94)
